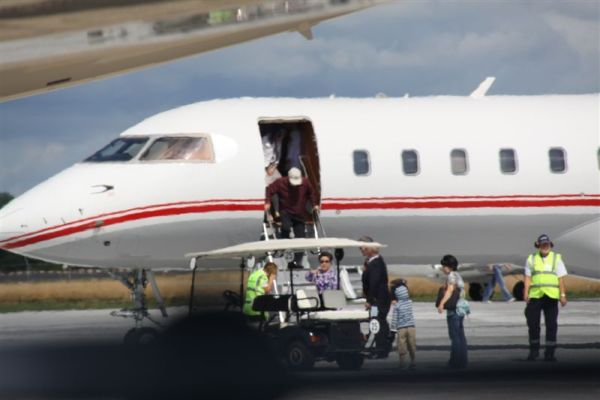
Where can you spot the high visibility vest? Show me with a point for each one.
(256, 283)
(544, 281)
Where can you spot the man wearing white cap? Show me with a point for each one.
(294, 192)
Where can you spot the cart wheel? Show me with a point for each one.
(349, 361)
(140, 336)
(298, 356)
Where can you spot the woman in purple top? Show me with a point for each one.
(324, 277)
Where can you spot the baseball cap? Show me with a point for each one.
(543, 239)
(295, 176)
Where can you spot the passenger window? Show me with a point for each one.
(121, 149)
(558, 162)
(362, 165)
(508, 161)
(410, 162)
(598, 155)
(458, 162)
(180, 148)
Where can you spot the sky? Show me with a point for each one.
(422, 48)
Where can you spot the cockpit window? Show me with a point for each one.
(121, 149)
(179, 148)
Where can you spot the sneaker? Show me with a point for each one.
(488, 302)
(511, 300)
(533, 355)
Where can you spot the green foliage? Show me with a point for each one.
(5, 197)
(51, 304)
(10, 262)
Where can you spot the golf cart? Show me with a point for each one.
(301, 325)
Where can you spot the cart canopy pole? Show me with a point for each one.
(194, 267)
(242, 297)
(339, 256)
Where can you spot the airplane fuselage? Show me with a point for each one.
(478, 178)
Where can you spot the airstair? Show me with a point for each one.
(292, 277)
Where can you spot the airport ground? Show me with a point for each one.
(496, 333)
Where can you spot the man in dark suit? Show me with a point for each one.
(375, 289)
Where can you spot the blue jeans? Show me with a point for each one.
(458, 347)
(496, 279)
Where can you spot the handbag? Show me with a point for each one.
(451, 303)
(462, 308)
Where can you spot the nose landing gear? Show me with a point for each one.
(136, 281)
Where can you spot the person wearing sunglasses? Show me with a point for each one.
(324, 277)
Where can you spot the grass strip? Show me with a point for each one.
(110, 294)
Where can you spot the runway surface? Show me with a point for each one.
(496, 334)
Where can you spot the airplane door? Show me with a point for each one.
(291, 142)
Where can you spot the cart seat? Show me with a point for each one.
(337, 309)
(348, 288)
(272, 303)
(334, 299)
(338, 315)
(308, 298)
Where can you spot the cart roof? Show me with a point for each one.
(262, 247)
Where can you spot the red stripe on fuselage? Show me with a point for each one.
(513, 196)
(96, 217)
(133, 217)
(172, 209)
(386, 205)
(354, 200)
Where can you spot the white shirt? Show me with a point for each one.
(561, 270)
(372, 258)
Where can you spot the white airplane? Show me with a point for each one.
(478, 177)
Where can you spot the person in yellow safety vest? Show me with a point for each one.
(260, 282)
(544, 289)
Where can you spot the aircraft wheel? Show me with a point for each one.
(140, 336)
(349, 361)
(298, 356)
(519, 291)
(475, 291)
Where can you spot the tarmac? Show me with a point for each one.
(496, 335)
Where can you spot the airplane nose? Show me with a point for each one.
(10, 225)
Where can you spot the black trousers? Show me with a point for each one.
(289, 222)
(533, 313)
(382, 343)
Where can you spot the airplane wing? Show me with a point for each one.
(51, 44)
